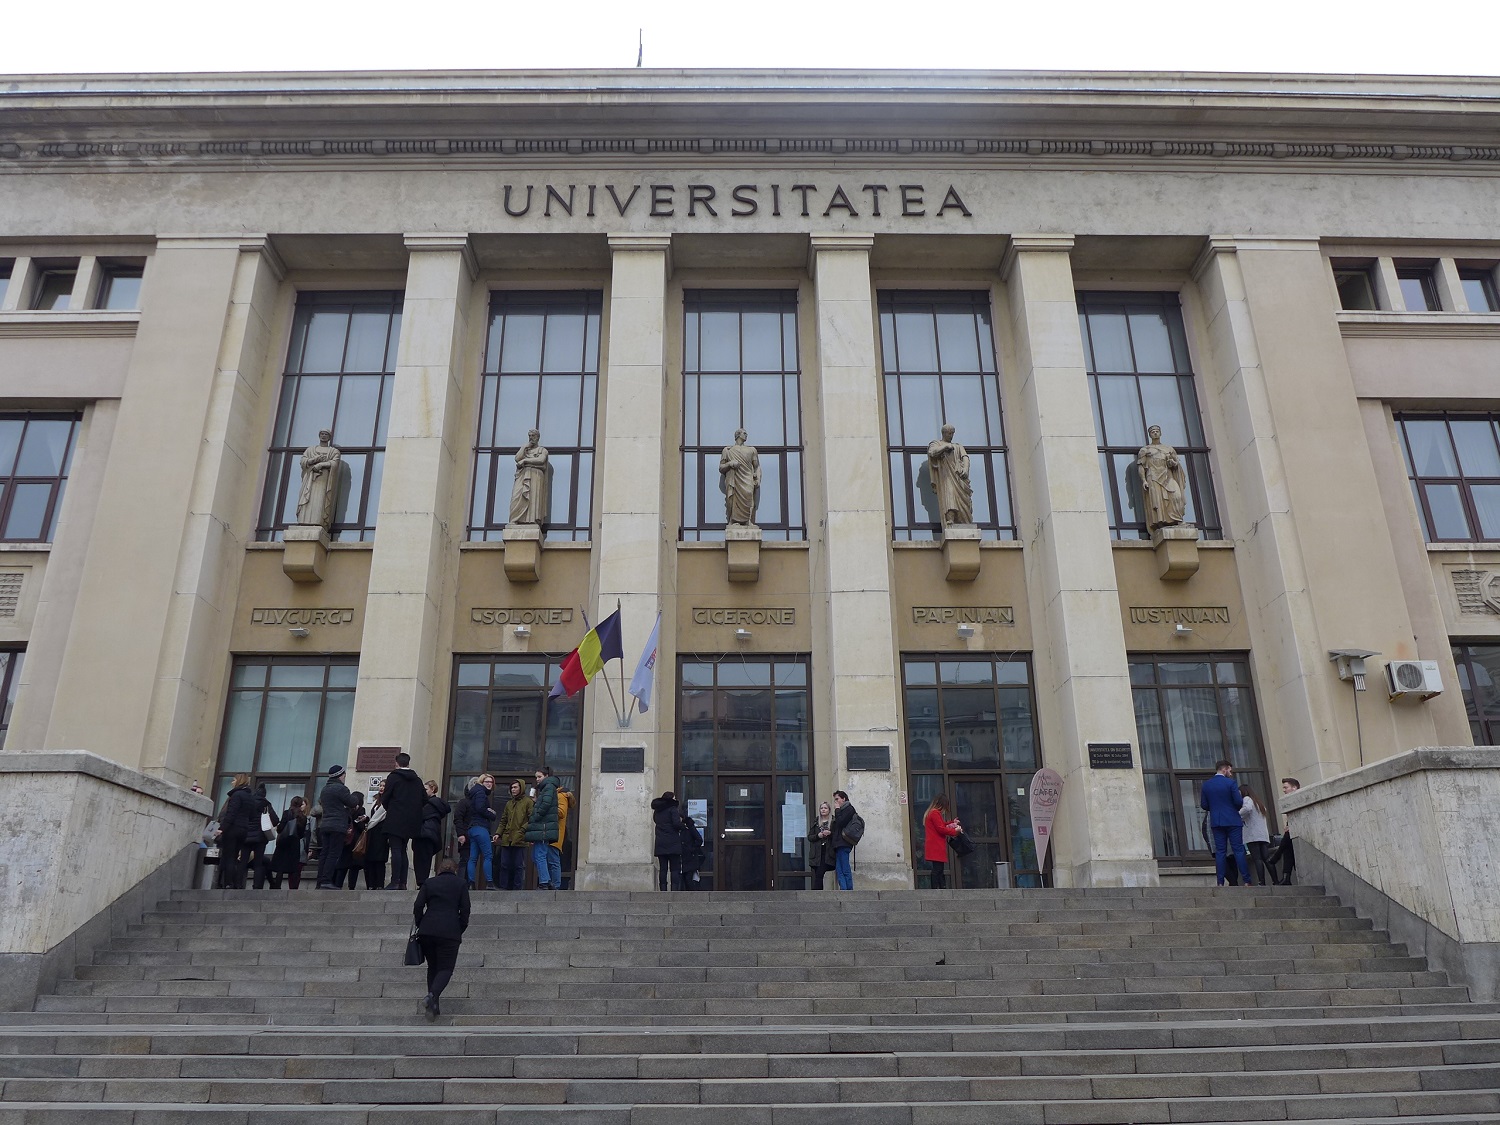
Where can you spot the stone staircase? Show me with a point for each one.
(910, 1007)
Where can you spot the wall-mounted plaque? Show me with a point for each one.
(1111, 756)
(622, 759)
(375, 759)
(868, 758)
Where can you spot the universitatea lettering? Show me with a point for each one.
(703, 201)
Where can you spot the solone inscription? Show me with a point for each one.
(518, 616)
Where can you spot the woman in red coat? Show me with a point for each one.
(941, 826)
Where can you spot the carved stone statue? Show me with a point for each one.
(739, 465)
(320, 482)
(948, 465)
(528, 496)
(1163, 482)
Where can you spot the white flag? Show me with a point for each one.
(645, 671)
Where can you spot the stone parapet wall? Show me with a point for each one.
(77, 833)
(1413, 842)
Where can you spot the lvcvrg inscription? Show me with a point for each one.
(293, 616)
(668, 201)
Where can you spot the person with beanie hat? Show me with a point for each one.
(337, 804)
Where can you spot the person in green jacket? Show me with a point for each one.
(541, 831)
(514, 818)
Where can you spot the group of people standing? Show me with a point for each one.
(534, 822)
(1240, 826)
(405, 811)
(831, 840)
(678, 845)
(248, 826)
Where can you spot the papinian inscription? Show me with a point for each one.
(963, 614)
(294, 616)
(1179, 615)
(501, 615)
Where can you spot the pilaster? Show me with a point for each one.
(1102, 835)
(402, 664)
(630, 556)
(856, 571)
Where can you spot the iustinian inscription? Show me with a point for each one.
(1179, 615)
(742, 201)
(963, 614)
(744, 617)
(10, 591)
(295, 616)
(516, 616)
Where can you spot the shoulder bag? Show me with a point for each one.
(362, 845)
(413, 949)
(961, 845)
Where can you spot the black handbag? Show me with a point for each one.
(413, 949)
(961, 844)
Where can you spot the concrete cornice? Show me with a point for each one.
(83, 762)
(68, 323)
(275, 120)
(1422, 759)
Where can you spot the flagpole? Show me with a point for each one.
(625, 717)
(605, 677)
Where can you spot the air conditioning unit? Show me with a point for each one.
(1414, 680)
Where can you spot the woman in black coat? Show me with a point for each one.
(349, 867)
(441, 913)
(291, 841)
(239, 820)
(668, 820)
(429, 840)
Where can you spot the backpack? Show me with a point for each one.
(854, 831)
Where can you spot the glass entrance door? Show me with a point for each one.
(743, 859)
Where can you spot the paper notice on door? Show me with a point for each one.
(793, 823)
(698, 810)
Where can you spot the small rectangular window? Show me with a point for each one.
(1479, 289)
(1453, 463)
(54, 289)
(1356, 291)
(120, 287)
(1419, 289)
(7, 266)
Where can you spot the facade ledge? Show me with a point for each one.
(82, 322)
(27, 548)
(566, 545)
(1397, 765)
(795, 545)
(1421, 325)
(277, 545)
(1145, 545)
(1462, 548)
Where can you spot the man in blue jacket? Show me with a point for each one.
(1221, 797)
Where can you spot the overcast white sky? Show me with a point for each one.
(1371, 36)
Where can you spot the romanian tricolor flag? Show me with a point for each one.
(600, 644)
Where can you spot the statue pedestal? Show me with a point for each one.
(523, 552)
(304, 551)
(961, 552)
(742, 544)
(1176, 552)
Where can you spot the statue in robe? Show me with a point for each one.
(948, 466)
(320, 482)
(528, 496)
(739, 467)
(1163, 482)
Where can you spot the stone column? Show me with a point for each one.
(402, 664)
(1102, 836)
(857, 633)
(1297, 468)
(629, 559)
(140, 677)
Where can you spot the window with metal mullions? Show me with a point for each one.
(1478, 284)
(1140, 375)
(340, 369)
(1419, 291)
(1453, 463)
(541, 372)
(740, 371)
(938, 357)
(36, 453)
(1479, 681)
(11, 660)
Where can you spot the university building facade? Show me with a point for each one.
(1293, 277)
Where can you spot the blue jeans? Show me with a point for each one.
(479, 845)
(548, 863)
(842, 871)
(1231, 837)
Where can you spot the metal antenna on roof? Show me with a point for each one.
(640, 45)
